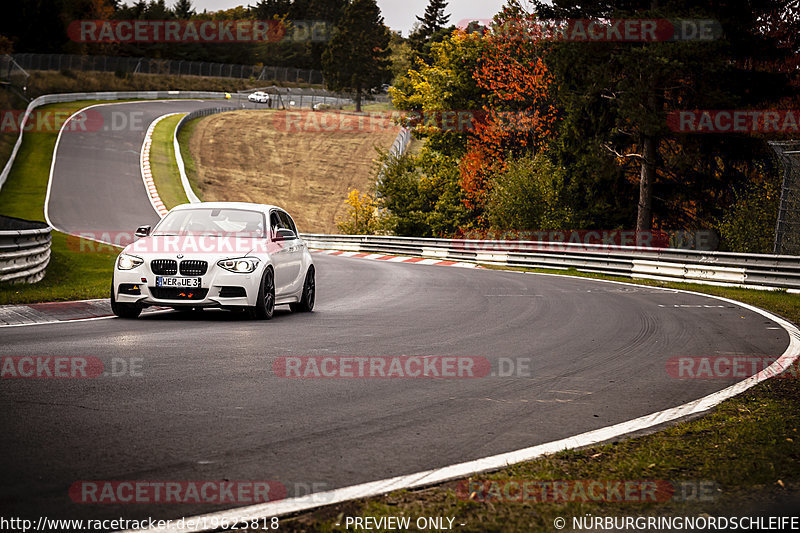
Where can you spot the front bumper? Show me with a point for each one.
(218, 288)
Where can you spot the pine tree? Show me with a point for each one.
(183, 9)
(429, 28)
(266, 9)
(357, 56)
(434, 18)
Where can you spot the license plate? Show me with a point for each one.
(163, 281)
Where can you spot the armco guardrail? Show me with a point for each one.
(114, 95)
(668, 264)
(399, 147)
(24, 250)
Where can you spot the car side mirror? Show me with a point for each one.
(285, 235)
(142, 231)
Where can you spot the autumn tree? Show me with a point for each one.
(519, 115)
(422, 190)
(363, 215)
(446, 85)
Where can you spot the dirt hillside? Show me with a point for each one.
(306, 162)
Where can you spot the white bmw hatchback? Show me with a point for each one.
(259, 96)
(231, 255)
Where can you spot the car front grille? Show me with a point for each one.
(164, 267)
(175, 293)
(193, 267)
(169, 267)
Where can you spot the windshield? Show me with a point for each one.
(217, 222)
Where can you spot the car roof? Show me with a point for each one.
(229, 205)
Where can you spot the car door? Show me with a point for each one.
(281, 256)
(294, 254)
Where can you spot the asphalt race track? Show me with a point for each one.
(204, 403)
(97, 184)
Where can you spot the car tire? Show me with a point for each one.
(306, 303)
(265, 306)
(123, 310)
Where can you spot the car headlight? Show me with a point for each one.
(128, 262)
(242, 265)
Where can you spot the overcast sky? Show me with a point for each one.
(398, 14)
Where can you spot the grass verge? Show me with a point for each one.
(740, 459)
(73, 273)
(162, 163)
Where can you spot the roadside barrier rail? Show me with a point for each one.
(24, 250)
(668, 264)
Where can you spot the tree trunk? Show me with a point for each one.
(644, 219)
(358, 99)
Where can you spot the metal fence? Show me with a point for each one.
(666, 264)
(11, 72)
(170, 67)
(787, 228)
(296, 97)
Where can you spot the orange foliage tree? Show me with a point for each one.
(518, 117)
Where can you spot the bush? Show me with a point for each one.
(528, 195)
(363, 217)
(421, 194)
(748, 225)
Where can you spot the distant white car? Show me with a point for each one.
(232, 255)
(259, 96)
